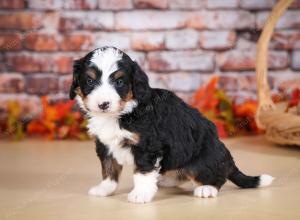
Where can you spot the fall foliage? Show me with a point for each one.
(230, 118)
(58, 121)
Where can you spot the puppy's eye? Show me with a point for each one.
(119, 83)
(89, 82)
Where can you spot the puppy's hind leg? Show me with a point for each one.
(206, 183)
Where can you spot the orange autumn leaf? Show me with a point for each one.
(204, 98)
(246, 114)
(248, 108)
(63, 109)
(36, 127)
(49, 112)
(221, 128)
(295, 99)
(58, 121)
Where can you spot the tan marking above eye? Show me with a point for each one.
(118, 74)
(91, 73)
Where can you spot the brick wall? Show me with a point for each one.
(180, 43)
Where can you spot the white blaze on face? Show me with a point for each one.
(106, 61)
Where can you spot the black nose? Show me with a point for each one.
(104, 105)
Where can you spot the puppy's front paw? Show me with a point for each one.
(98, 191)
(205, 191)
(141, 196)
(105, 188)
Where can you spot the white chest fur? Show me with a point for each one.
(108, 131)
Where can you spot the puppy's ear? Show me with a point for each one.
(75, 82)
(141, 89)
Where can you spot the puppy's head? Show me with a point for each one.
(107, 81)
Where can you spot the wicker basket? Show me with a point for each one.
(281, 127)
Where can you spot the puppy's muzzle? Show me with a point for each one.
(104, 106)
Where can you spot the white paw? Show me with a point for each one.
(141, 196)
(205, 191)
(98, 191)
(105, 188)
(144, 187)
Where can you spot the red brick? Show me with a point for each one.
(58, 97)
(185, 96)
(285, 40)
(2, 62)
(245, 60)
(12, 4)
(278, 60)
(86, 20)
(51, 21)
(41, 42)
(41, 84)
(240, 97)
(65, 4)
(296, 59)
(80, 4)
(213, 4)
(139, 57)
(76, 42)
(11, 83)
(181, 60)
(178, 81)
(182, 39)
(10, 41)
(63, 64)
(30, 105)
(257, 4)
(228, 82)
(247, 81)
(183, 4)
(20, 20)
(45, 4)
(148, 41)
(289, 20)
(158, 4)
(149, 20)
(245, 43)
(285, 81)
(218, 40)
(65, 83)
(226, 19)
(115, 4)
(295, 4)
(31, 63)
(119, 40)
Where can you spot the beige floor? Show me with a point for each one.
(49, 180)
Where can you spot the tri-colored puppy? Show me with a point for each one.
(167, 141)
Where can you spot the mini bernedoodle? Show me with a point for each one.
(166, 140)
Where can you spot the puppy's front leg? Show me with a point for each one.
(145, 182)
(110, 173)
(145, 187)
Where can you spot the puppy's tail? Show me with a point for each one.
(244, 181)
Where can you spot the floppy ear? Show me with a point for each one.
(141, 89)
(75, 84)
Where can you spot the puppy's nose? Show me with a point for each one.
(104, 105)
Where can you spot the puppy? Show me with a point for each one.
(167, 141)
